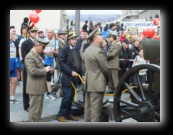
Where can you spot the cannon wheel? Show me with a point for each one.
(145, 106)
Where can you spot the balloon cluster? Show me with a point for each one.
(34, 17)
(150, 33)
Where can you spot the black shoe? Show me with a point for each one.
(26, 109)
(108, 92)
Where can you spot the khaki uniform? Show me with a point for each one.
(97, 76)
(82, 53)
(36, 84)
(113, 61)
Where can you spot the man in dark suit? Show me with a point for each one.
(36, 79)
(97, 76)
(70, 66)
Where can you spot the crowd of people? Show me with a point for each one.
(100, 61)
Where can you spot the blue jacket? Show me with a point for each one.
(66, 63)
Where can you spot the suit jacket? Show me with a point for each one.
(61, 44)
(67, 65)
(82, 48)
(97, 69)
(36, 78)
(113, 55)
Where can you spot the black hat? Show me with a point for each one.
(126, 41)
(43, 42)
(62, 32)
(93, 33)
(32, 28)
(71, 34)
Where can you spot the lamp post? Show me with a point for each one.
(77, 21)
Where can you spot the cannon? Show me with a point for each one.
(144, 103)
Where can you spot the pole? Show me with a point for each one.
(77, 21)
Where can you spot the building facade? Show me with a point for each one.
(55, 19)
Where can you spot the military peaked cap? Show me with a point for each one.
(93, 33)
(32, 28)
(43, 42)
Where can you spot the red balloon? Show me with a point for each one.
(37, 11)
(145, 32)
(35, 18)
(150, 32)
(156, 21)
(31, 17)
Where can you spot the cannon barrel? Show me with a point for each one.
(151, 50)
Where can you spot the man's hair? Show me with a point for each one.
(12, 27)
(113, 36)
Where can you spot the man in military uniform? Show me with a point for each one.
(113, 61)
(36, 78)
(97, 77)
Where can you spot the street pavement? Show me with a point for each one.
(50, 108)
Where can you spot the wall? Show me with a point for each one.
(47, 19)
(147, 13)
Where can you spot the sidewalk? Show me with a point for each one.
(50, 109)
(18, 114)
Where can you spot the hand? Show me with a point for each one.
(127, 68)
(52, 70)
(83, 77)
(74, 73)
(51, 51)
(21, 58)
(48, 68)
(22, 61)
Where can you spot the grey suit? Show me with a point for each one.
(97, 76)
(82, 53)
(36, 84)
(113, 60)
